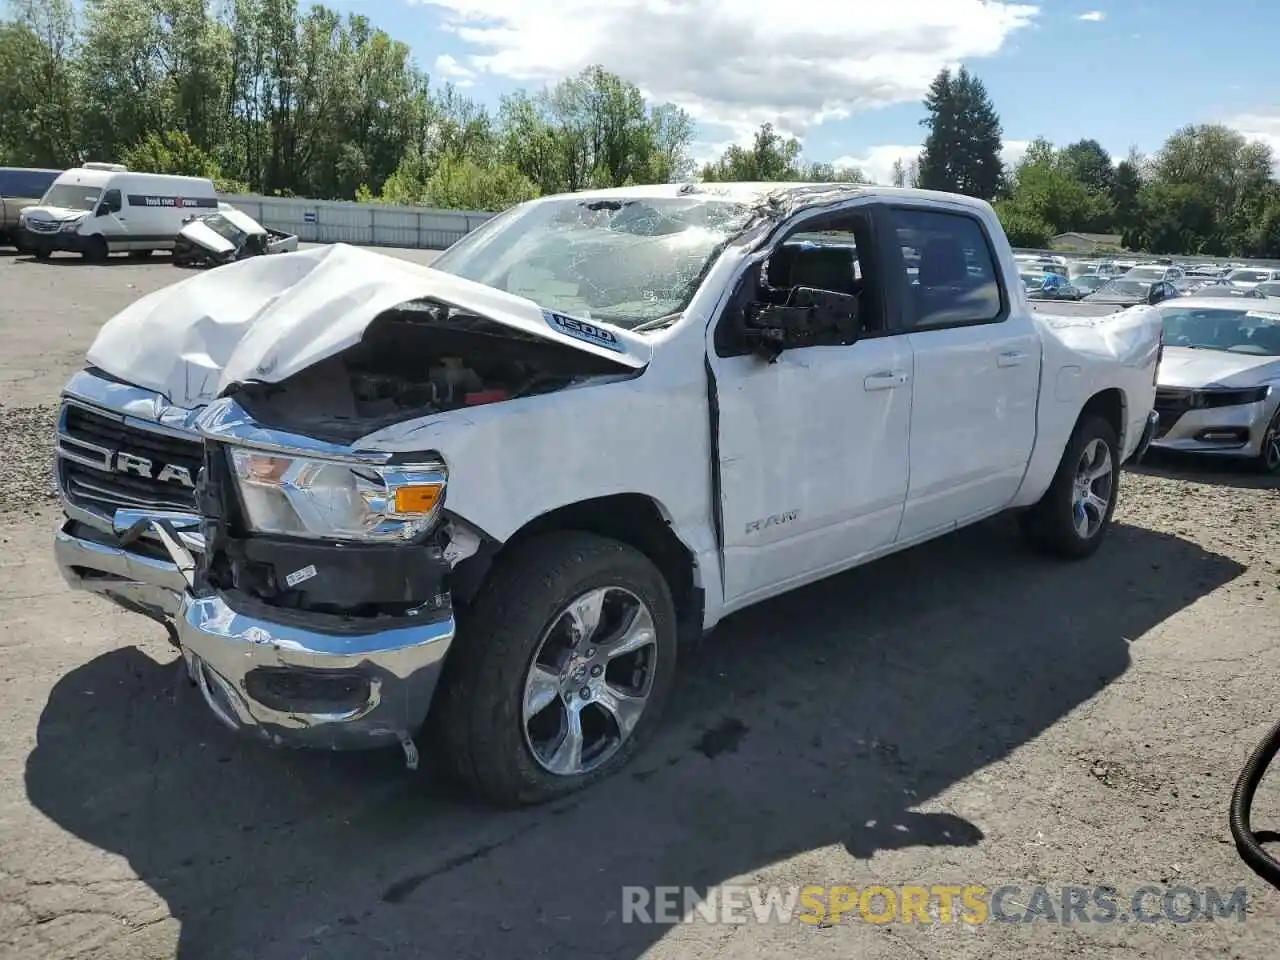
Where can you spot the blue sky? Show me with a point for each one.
(847, 75)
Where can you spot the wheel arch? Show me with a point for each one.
(635, 519)
(1112, 405)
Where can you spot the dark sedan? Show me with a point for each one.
(1129, 293)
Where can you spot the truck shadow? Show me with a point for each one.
(824, 718)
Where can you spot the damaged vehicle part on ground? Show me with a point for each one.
(476, 509)
(214, 239)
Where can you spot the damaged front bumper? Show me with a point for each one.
(343, 688)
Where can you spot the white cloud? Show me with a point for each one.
(739, 62)
(1014, 151)
(1093, 16)
(448, 68)
(877, 162)
(1259, 126)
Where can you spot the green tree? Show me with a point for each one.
(461, 183)
(1089, 162)
(962, 150)
(1024, 229)
(1044, 191)
(770, 158)
(170, 152)
(1265, 239)
(1125, 191)
(1217, 179)
(40, 121)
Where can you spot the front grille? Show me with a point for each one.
(106, 461)
(43, 226)
(1171, 404)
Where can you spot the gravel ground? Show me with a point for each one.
(962, 713)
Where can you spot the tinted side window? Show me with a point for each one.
(112, 199)
(25, 184)
(951, 273)
(37, 184)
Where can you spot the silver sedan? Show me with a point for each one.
(1218, 385)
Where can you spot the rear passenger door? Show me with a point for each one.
(977, 369)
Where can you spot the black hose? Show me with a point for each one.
(1247, 842)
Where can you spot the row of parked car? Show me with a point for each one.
(98, 209)
(1221, 345)
(1125, 283)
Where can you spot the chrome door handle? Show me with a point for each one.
(886, 380)
(1010, 359)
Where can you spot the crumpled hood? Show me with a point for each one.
(1186, 367)
(200, 234)
(267, 318)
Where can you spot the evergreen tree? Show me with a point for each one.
(962, 151)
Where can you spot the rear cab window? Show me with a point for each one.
(949, 270)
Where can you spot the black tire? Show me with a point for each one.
(477, 715)
(42, 253)
(96, 250)
(1050, 526)
(1268, 460)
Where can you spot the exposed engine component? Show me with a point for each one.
(419, 359)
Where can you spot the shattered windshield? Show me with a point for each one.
(628, 261)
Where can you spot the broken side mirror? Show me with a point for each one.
(808, 317)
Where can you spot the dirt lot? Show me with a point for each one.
(960, 714)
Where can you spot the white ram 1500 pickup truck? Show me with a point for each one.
(476, 507)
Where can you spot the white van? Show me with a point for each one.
(102, 208)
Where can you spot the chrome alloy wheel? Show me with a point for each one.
(589, 681)
(1093, 487)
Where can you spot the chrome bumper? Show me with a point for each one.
(286, 682)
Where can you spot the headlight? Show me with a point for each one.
(1223, 397)
(306, 497)
(71, 227)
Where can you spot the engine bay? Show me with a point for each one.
(420, 359)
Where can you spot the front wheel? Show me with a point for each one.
(1072, 518)
(96, 250)
(561, 669)
(1268, 461)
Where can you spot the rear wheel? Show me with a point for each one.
(560, 671)
(1072, 518)
(95, 249)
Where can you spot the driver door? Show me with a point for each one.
(813, 447)
(112, 221)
